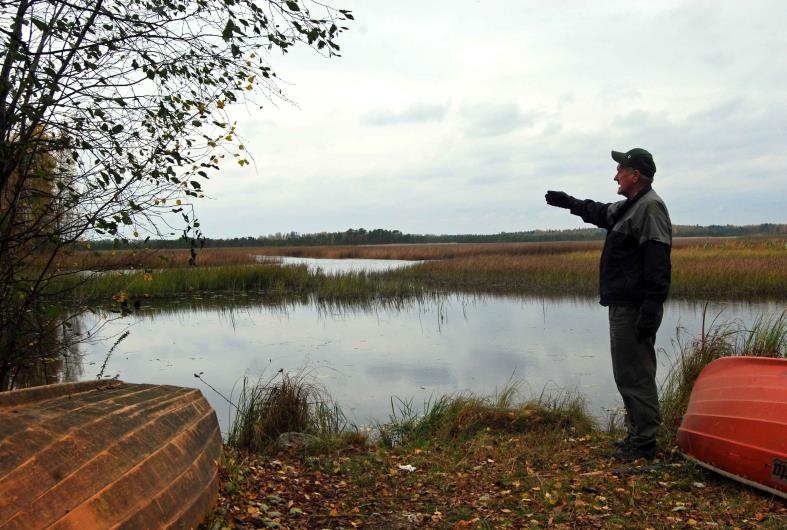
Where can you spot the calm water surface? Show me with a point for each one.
(364, 356)
(334, 266)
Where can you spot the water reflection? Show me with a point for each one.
(337, 266)
(53, 354)
(366, 353)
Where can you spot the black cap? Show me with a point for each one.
(636, 158)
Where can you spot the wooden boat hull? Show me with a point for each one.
(97, 455)
(736, 421)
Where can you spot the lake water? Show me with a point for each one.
(334, 266)
(364, 356)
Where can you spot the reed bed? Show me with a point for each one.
(209, 257)
(702, 268)
(263, 279)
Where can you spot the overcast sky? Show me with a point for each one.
(455, 116)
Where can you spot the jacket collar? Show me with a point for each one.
(630, 202)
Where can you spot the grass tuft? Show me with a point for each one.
(463, 415)
(767, 338)
(266, 410)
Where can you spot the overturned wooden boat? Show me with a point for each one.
(107, 454)
(736, 421)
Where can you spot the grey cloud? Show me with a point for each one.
(717, 60)
(737, 129)
(720, 111)
(416, 113)
(617, 93)
(551, 129)
(566, 98)
(494, 119)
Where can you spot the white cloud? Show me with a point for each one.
(416, 113)
(456, 116)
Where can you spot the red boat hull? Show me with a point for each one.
(736, 421)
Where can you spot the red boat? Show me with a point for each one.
(736, 421)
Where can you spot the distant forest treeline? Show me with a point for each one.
(379, 236)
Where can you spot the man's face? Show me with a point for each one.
(627, 179)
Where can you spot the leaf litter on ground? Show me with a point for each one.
(489, 480)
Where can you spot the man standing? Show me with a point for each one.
(634, 280)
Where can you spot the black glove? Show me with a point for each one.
(559, 199)
(649, 319)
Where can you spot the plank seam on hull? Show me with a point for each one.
(704, 386)
(731, 442)
(68, 389)
(108, 397)
(139, 464)
(203, 448)
(727, 416)
(733, 476)
(98, 419)
(727, 400)
(140, 428)
(211, 488)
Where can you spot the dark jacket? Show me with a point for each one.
(635, 262)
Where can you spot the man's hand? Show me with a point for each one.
(649, 319)
(559, 199)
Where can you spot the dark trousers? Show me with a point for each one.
(634, 369)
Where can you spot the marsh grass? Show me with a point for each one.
(263, 279)
(702, 268)
(293, 404)
(286, 404)
(767, 337)
(461, 416)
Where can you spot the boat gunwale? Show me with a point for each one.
(733, 476)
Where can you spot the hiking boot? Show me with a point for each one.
(622, 444)
(631, 453)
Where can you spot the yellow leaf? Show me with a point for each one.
(220, 104)
(177, 202)
(691, 522)
(201, 107)
(333, 513)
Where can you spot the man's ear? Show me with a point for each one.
(637, 174)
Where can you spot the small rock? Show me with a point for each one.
(296, 439)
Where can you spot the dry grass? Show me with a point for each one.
(698, 248)
(702, 267)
